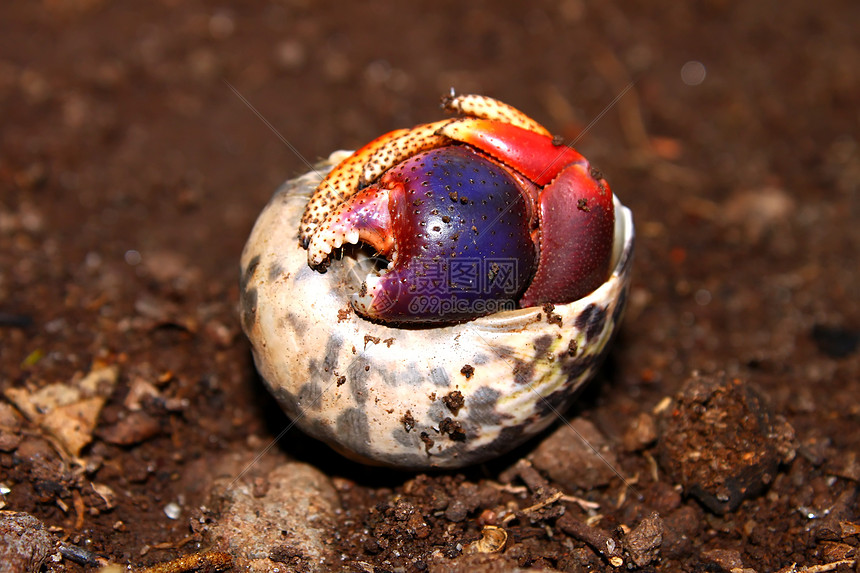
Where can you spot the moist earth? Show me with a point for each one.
(140, 140)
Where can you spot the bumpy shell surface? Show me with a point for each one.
(413, 398)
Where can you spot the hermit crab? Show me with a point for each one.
(437, 297)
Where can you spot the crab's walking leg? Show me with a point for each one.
(397, 149)
(488, 108)
(527, 152)
(341, 183)
(368, 163)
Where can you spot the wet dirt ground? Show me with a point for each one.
(133, 163)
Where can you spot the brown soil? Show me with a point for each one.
(131, 174)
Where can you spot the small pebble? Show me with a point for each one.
(576, 457)
(721, 442)
(682, 526)
(643, 543)
(725, 559)
(134, 428)
(172, 510)
(300, 499)
(25, 544)
(640, 433)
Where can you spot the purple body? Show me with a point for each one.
(462, 229)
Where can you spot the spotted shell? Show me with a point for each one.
(413, 398)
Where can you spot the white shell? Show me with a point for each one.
(387, 395)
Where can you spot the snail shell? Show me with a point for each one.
(412, 398)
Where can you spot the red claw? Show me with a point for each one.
(492, 187)
(576, 213)
(577, 224)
